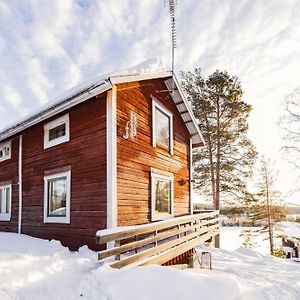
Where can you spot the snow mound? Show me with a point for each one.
(152, 65)
(36, 269)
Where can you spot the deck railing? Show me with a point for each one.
(159, 242)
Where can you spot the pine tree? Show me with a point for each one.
(266, 207)
(249, 238)
(224, 165)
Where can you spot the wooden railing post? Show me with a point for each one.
(135, 239)
(117, 256)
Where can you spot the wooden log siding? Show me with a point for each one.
(9, 174)
(159, 242)
(85, 156)
(135, 157)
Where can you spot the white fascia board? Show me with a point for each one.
(189, 109)
(138, 77)
(59, 108)
(111, 157)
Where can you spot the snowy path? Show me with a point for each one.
(35, 269)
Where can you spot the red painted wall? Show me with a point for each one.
(137, 156)
(85, 155)
(9, 175)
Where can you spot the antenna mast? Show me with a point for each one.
(172, 4)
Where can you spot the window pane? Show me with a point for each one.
(162, 128)
(57, 132)
(7, 199)
(57, 196)
(162, 196)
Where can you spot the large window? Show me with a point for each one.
(57, 198)
(162, 127)
(57, 132)
(161, 195)
(5, 151)
(5, 202)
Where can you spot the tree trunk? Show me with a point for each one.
(217, 196)
(269, 217)
(211, 164)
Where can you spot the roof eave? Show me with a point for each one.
(56, 109)
(179, 99)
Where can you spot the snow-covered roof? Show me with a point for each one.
(149, 69)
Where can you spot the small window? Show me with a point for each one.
(162, 127)
(57, 132)
(5, 202)
(161, 196)
(5, 151)
(57, 198)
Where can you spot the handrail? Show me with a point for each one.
(155, 242)
(119, 233)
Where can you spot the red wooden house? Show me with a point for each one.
(113, 152)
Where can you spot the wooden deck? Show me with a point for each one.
(159, 242)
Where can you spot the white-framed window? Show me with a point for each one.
(5, 202)
(5, 151)
(57, 131)
(162, 186)
(57, 194)
(162, 127)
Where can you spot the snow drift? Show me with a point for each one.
(31, 268)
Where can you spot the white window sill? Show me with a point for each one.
(5, 217)
(161, 217)
(57, 141)
(63, 220)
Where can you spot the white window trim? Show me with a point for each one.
(155, 105)
(51, 219)
(47, 127)
(161, 216)
(6, 216)
(6, 144)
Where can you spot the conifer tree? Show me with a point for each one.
(222, 167)
(267, 208)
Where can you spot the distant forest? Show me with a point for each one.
(238, 210)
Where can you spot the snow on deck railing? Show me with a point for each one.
(159, 242)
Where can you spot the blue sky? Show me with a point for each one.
(46, 47)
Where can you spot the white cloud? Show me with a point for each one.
(14, 99)
(4, 8)
(46, 47)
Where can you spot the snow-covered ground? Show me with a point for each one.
(37, 269)
(231, 239)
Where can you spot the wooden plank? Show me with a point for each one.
(153, 239)
(147, 228)
(153, 251)
(177, 250)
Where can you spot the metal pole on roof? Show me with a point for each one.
(172, 4)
